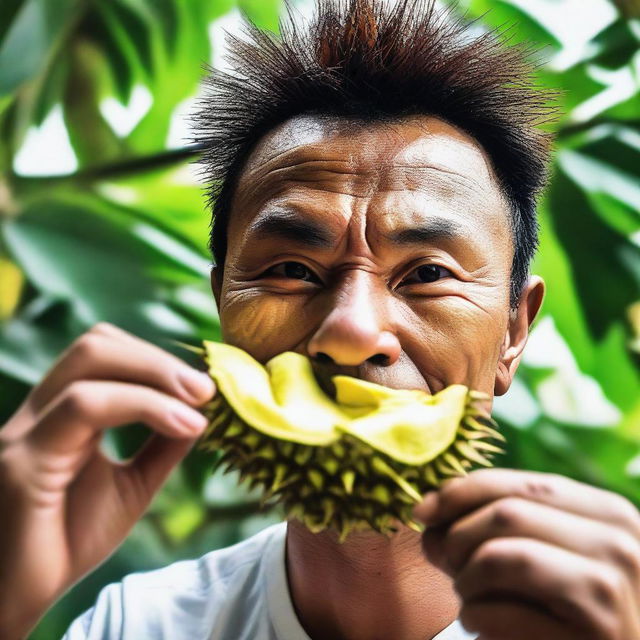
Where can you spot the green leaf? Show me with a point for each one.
(617, 146)
(562, 300)
(133, 31)
(101, 262)
(8, 11)
(122, 66)
(615, 45)
(28, 345)
(263, 13)
(168, 198)
(597, 177)
(523, 24)
(167, 16)
(604, 285)
(93, 140)
(29, 38)
(52, 90)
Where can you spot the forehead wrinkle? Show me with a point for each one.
(272, 184)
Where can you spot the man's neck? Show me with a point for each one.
(368, 588)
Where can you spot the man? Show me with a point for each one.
(373, 183)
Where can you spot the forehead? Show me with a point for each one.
(412, 141)
(408, 168)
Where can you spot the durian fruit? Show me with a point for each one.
(361, 460)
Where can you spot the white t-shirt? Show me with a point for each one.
(237, 593)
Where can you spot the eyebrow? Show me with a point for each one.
(437, 229)
(289, 226)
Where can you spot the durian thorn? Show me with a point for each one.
(331, 466)
(347, 527)
(280, 473)
(228, 458)
(478, 395)
(476, 422)
(494, 434)
(189, 347)
(303, 455)
(431, 476)
(329, 509)
(218, 414)
(234, 429)
(380, 493)
(348, 477)
(316, 478)
(267, 452)
(479, 423)
(485, 446)
(469, 452)
(213, 405)
(443, 468)
(286, 448)
(454, 463)
(471, 435)
(416, 526)
(381, 466)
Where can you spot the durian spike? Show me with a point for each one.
(416, 526)
(469, 452)
(486, 446)
(197, 350)
(477, 425)
(348, 477)
(454, 463)
(382, 467)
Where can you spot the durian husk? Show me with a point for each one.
(360, 461)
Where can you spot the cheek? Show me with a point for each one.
(262, 325)
(458, 342)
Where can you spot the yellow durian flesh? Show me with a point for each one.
(274, 399)
(411, 427)
(360, 461)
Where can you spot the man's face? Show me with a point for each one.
(383, 252)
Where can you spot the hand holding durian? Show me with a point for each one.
(361, 460)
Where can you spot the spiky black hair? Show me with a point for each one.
(370, 60)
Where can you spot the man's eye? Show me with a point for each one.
(427, 273)
(294, 270)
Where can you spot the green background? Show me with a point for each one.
(123, 238)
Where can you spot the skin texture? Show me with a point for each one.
(501, 545)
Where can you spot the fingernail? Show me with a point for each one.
(198, 385)
(427, 509)
(193, 420)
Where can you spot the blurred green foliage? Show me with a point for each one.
(123, 239)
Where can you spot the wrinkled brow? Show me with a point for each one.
(288, 225)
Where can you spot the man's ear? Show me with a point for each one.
(515, 339)
(216, 284)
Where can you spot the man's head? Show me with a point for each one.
(373, 183)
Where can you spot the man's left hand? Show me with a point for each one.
(537, 555)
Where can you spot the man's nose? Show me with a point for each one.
(355, 330)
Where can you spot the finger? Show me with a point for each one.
(88, 407)
(460, 496)
(516, 517)
(577, 591)
(154, 462)
(109, 353)
(498, 619)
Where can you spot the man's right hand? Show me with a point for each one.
(65, 505)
